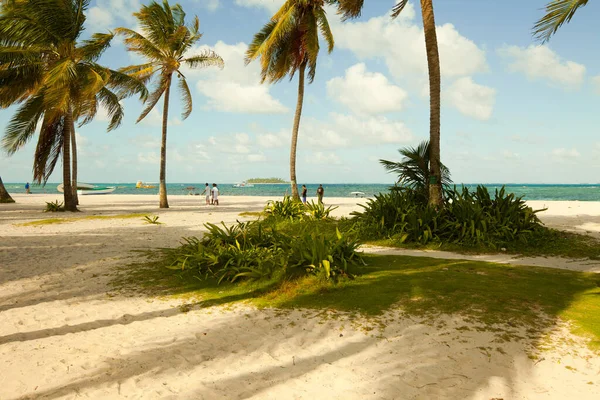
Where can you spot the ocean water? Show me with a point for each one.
(529, 191)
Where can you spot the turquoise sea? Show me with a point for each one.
(587, 192)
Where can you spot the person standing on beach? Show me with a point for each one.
(320, 192)
(27, 188)
(215, 195)
(304, 194)
(207, 193)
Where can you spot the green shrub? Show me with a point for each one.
(153, 220)
(54, 206)
(318, 211)
(260, 249)
(287, 209)
(469, 218)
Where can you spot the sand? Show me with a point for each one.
(66, 333)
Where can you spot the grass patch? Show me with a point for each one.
(485, 293)
(545, 243)
(256, 214)
(52, 221)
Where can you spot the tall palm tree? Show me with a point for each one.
(55, 79)
(414, 169)
(4, 196)
(164, 41)
(352, 9)
(558, 12)
(287, 44)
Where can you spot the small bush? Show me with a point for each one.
(54, 206)
(260, 249)
(318, 210)
(151, 220)
(468, 218)
(286, 209)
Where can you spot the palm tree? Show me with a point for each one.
(414, 169)
(4, 196)
(287, 44)
(352, 9)
(164, 41)
(56, 80)
(558, 12)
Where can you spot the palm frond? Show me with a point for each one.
(207, 58)
(141, 72)
(186, 97)
(140, 44)
(22, 125)
(125, 85)
(398, 8)
(114, 109)
(325, 29)
(49, 148)
(348, 9)
(92, 49)
(558, 12)
(155, 96)
(17, 83)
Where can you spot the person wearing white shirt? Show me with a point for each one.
(215, 194)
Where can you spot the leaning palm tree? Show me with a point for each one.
(287, 44)
(164, 41)
(4, 196)
(558, 12)
(55, 80)
(352, 9)
(413, 170)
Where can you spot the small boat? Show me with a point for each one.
(243, 184)
(358, 194)
(87, 189)
(142, 185)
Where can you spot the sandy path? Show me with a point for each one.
(65, 334)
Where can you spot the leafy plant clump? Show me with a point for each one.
(292, 210)
(468, 218)
(54, 206)
(152, 219)
(260, 249)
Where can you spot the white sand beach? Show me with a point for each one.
(65, 332)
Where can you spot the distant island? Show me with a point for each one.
(266, 180)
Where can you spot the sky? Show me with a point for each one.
(513, 110)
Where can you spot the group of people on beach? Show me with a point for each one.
(320, 193)
(212, 194)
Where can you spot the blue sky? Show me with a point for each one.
(513, 111)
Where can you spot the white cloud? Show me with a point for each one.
(272, 6)
(351, 131)
(509, 155)
(210, 5)
(324, 158)
(401, 44)
(596, 84)
(148, 158)
(541, 62)
(565, 154)
(471, 99)
(237, 87)
(272, 141)
(99, 19)
(146, 141)
(365, 92)
(257, 158)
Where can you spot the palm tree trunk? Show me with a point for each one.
(295, 129)
(4, 196)
(433, 63)
(69, 201)
(162, 191)
(74, 158)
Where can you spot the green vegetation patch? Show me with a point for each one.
(52, 221)
(266, 180)
(482, 292)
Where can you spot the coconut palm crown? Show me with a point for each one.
(164, 41)
(287, 44)
(54, 78)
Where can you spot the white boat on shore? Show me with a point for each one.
(358, 194)
(243, 184)
(87, 189)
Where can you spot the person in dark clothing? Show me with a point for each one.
(304, 190)
(320, 192)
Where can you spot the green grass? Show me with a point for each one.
(52, 221)
(546, 243)
(256, 214)
(484, 293)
